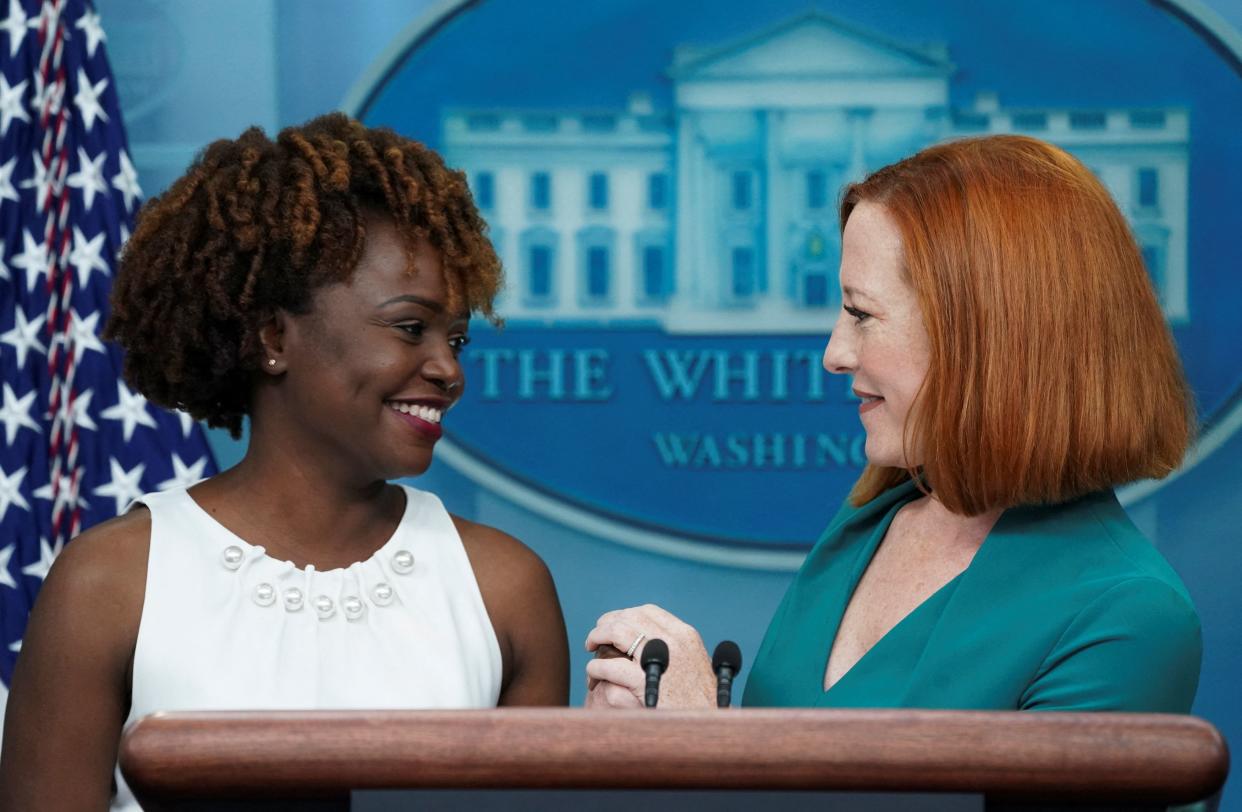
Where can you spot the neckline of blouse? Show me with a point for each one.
(252, 552)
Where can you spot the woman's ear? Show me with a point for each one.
(272, 339)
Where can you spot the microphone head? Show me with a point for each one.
(727, 654)
(655, 653)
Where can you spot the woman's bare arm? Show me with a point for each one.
(70, 688)
(525, 612)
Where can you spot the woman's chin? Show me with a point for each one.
(408, 466)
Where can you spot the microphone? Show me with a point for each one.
(654, 661)
(726, 662)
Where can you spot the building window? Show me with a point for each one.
(483, 122)
(595, 256)
(1147, 119)
(815, 290)
(743, 272)
(484, 190)
(1148, 188)
(1153, 241)
(540, 275)
(654, 282)
(1088, 120)
(537, 257)
(657, 191)
(599, 123)
(816, 189)
(597, 191)
(597, 272)
(1030, 121)
(967, 121)
(541, 191)
(540, 123)
(742, 191)
(653, 271)
(1151, 258)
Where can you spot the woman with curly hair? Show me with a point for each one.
(321, 285)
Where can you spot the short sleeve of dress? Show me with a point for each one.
(1137, 647)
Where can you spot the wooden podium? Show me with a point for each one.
(194, 761)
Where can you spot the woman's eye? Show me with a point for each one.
(458, 343)
(415, 330)
(859, 315)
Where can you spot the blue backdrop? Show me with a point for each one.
(188, 73)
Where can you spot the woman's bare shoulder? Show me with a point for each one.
(521, 600)
(492, 549)
(108, 559)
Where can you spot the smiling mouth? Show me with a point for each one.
(425, 413)
(869, 401)
(423, 419)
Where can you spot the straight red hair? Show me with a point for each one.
(1052, 372)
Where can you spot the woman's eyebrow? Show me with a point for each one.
(855, 292)
(430, 304)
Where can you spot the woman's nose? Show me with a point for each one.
(444, 369)
(839, 354)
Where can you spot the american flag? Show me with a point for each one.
(77, 443)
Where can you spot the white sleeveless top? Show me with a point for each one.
(225, 627)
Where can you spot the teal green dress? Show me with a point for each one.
(1065, 607)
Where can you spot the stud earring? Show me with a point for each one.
(271, 362)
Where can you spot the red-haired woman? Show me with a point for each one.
(1013, 366)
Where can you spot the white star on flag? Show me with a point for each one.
(11, 491)
(68, 193)
(15, 413)
(66, 496)
(130, 409)
(6, 577)
(89, 177)
(88, 23)
(83, 334)
(15, 26)
(126, 182)
(183, 476)
(41, 181)
(187, 423)
(47, 556)
(87, 255)
(24, 336)
(48, 18)
(7, 190)
(124, 487)
(40, 98)
(33, 260)
(87, 99)
(11, 104)
(79, 410)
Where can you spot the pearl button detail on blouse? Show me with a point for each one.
(265, 594)
(325, 607)
(353, 606)
(402, 561)
(382, 593)
(232, 556)
(293, 599)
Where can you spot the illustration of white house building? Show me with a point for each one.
(721, 216)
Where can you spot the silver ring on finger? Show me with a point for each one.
(629, 652)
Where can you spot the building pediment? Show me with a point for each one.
(812, 45)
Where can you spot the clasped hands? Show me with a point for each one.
(617, 681)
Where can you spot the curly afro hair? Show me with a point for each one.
(256, 226)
